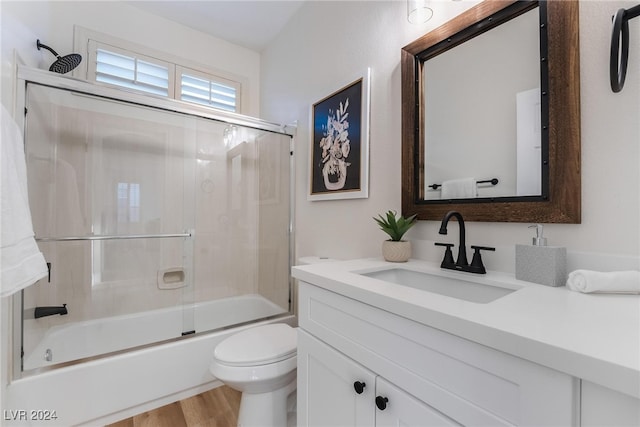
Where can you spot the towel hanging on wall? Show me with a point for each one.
(22, 263)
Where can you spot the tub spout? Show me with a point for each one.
(49, 311)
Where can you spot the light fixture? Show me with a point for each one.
(418, 11)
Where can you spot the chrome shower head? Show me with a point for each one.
(63, 64)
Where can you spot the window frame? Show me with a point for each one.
(180, 70)
(86, 42)
(94, 45)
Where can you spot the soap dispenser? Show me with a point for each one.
(539, 263)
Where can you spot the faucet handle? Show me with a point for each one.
(483, 248)
(448, 255)
(476, 263)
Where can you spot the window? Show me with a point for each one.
(131, 72)
(201, 89)
(125, 68)
(128, 202)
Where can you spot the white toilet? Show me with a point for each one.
(261, 363)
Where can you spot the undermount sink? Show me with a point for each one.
(456, 288)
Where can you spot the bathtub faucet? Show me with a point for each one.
(50, 311)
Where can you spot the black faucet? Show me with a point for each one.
(461, 263)
(49, 311)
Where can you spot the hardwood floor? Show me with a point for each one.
(214, 408)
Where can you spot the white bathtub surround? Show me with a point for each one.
(553, 327)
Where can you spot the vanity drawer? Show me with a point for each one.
(473, 384)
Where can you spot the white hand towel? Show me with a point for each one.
(464, 188)
(627, 282)
(22, 263)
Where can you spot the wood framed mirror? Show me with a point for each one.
(558, 198)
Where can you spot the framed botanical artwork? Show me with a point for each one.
(339, 154)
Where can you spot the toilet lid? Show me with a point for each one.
(258, 346)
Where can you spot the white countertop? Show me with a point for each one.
(595, 337)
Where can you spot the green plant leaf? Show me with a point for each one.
(395, 227)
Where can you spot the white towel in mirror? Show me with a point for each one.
(464, 188)
(604, 282)
(22, 262)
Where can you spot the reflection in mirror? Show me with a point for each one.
(482, 118)
(507, 145)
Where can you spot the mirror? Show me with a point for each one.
(500, 122)
(493, 95)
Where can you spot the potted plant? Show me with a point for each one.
(395, 249)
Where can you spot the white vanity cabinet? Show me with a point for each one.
(428, 377)
(330, 397)
(399, 408)
(601, 406)
(341, 392)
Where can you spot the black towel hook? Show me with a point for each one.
(620, 54)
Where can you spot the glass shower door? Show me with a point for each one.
(243, 221)
(156, 223)
(111, 194)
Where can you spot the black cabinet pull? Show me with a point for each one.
(381, 402)
(359, 386)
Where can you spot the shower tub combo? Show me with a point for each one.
(85, 339)
(166, 227)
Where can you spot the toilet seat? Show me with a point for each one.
(261, 345)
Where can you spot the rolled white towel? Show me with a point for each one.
(627, 282)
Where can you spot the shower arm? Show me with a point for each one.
(39, 45)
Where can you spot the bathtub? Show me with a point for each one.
(107, 389)
(89, 338)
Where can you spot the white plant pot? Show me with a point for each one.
(396, 251)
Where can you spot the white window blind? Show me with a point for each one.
(132, 72)
(128, 69)
(208, 92)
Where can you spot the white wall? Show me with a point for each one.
(52, 22)
(327, 42)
